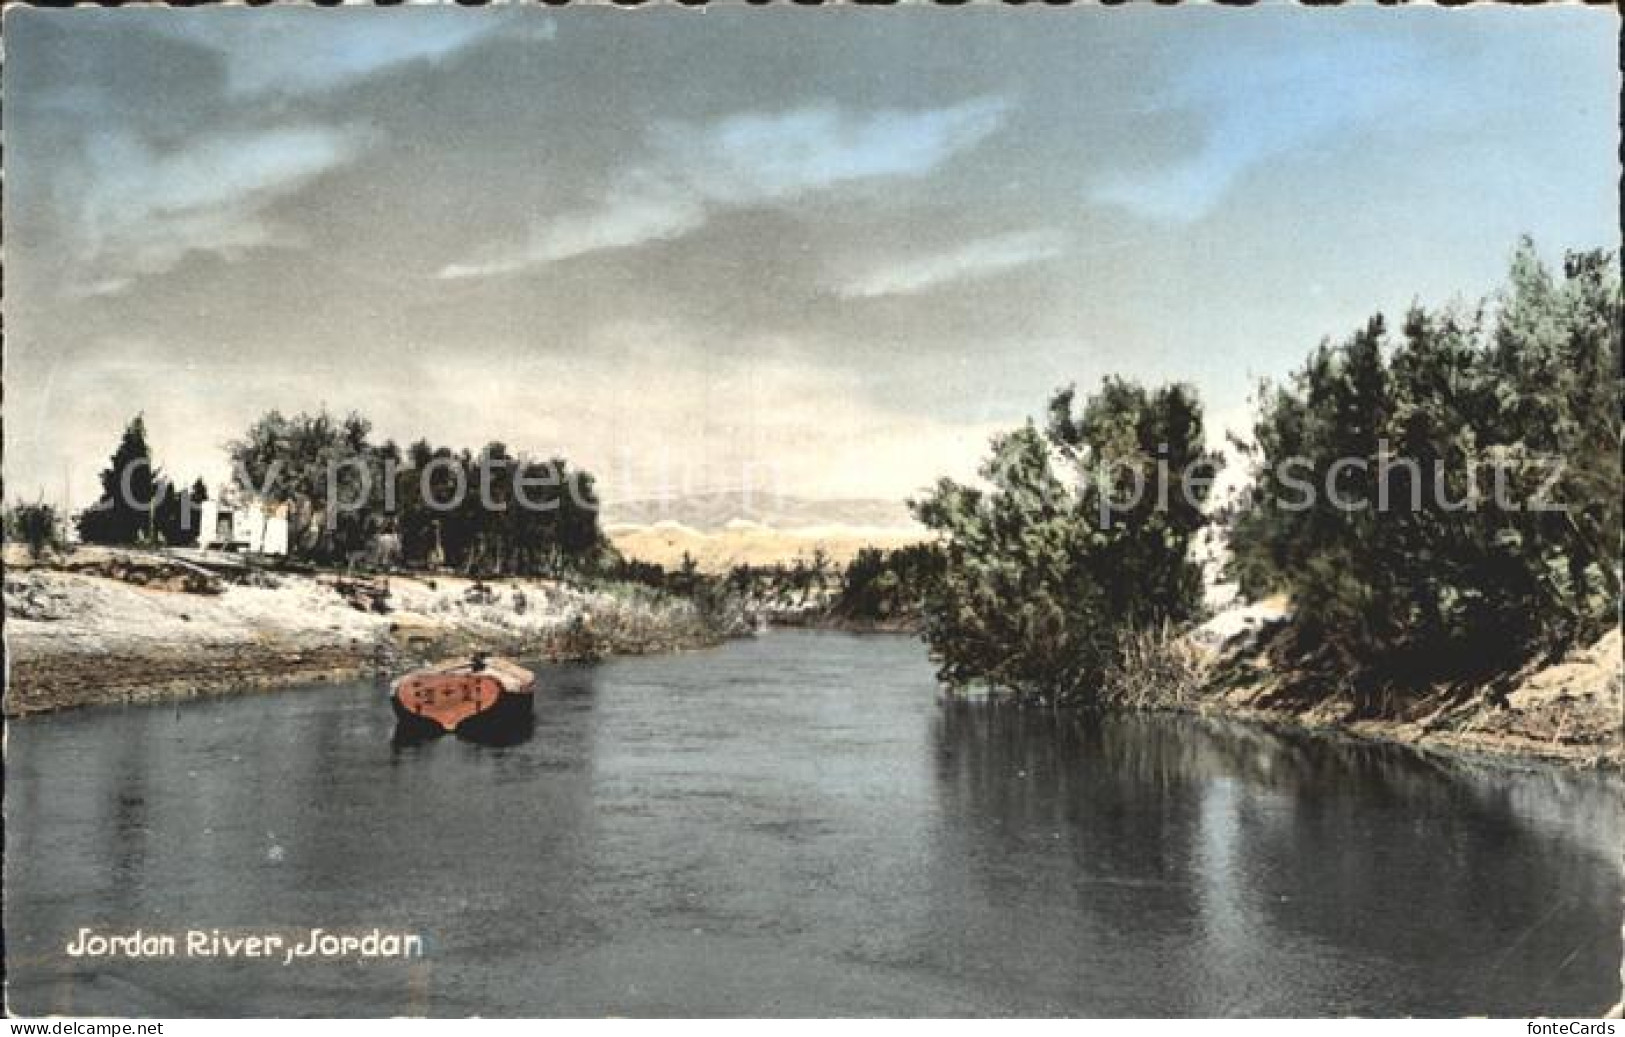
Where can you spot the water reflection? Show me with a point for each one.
(1256, 873)
(795, 826)
(519, 731)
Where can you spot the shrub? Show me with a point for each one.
(1446, 580)
(1154, 667)
(34, 525)
(1045, 567)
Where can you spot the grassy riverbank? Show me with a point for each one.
(103, 627)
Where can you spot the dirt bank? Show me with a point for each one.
(107, 627)
(1570, 711)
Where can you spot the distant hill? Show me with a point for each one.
(712, 512)
(724, 529)
(749, 543)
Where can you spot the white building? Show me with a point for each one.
(227, 524)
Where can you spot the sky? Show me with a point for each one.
(828, 252)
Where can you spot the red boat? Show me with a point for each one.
(480, 698)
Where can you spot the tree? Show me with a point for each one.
(1041, 572)
(488, 513)
(892, 585)
(1493, 530)
(124, 514)
(179, 512)
(686, 580)
(34, 525)
(288, 461)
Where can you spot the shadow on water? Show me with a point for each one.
(408, 735)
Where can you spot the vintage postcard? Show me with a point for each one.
(779, 512)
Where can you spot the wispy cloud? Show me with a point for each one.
(136, 209)
(1257, 108)
(693, 170)
(784, 420)
(971, 261)
(290, 52)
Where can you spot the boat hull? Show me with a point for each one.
(485, 703)
(510, 720)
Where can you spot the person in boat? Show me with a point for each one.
(504, 670)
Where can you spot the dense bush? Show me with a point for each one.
(1077, 537)
(33, 525)
(881, 586)
(807, 584)
(1493, 529)
(1155, 667)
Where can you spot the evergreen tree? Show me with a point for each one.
(179, 512)
(1493, 531)
(131, 484)
(1042, 572)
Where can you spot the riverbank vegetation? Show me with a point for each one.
(1154, 667)
(393, 556)
(1434, 515)
(485, 512)
(108, 625)
(1496, 539)
(1062, 551)
(349, 501)
(889, 588)
(1436, 509)
(879, 589)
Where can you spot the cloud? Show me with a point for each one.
(135, 209)
(780, 419)
(1257, 108)
(744, 161)
(639, 208)
(291, 52)
(984, 257)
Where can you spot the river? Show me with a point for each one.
(797, 825)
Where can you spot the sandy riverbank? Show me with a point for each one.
(1570, 711)
(107, 627)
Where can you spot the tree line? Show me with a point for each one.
(1500, 538)
(487, 512)
(1401, 566)
(876, 587)
(1381, 475)
(887, 586)
(347, 498)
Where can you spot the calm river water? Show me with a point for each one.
(797, 826)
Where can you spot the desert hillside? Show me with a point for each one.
(743, 542)
(712, 511)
